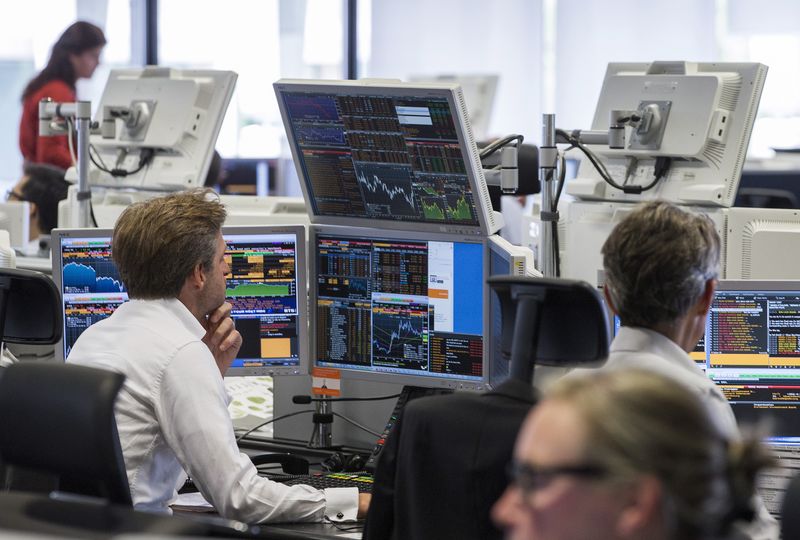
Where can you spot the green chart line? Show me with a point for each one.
(258, 289)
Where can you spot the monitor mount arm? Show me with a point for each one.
(322, 434)
(49, 126)
(501, 164)
(501, 169)
(647, 124)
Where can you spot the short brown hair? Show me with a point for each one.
(657, 261)
(158, 242)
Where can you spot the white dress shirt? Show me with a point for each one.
(172, 416)
(646, 349)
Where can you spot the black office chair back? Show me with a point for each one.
(30, 308)
(444, 463)
(550, 322)
(59, 419)
(790, 510)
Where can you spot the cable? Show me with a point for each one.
(494, 146)
(271, 420)
(346, 419)
(562, 176)
(304, 400)
(605, 175)
(145, 157)
(70, 143)
(99, 157)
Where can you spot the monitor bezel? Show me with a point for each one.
(768, 285)
(57, 236)
(489, 222)
(301, 266)
(399, 378)
(299, 231)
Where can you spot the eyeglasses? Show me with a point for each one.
(530, 478)
(12, 195)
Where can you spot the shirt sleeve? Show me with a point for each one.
(191, 410)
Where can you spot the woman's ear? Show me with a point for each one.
(643, 508)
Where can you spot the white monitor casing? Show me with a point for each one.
(187, 109)
(15, 218)
(708, 112)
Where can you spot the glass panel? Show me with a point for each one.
(262, 40)
(26, 38)
(461, 38)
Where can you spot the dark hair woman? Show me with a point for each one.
(75, 55)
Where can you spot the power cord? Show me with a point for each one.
(271, 420)
(353, 422)
(662, 166)
(145, 157)
(494, 146)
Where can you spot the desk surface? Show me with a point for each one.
(40, 264)
(36, 513)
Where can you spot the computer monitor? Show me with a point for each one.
(401, 155)
(752, 351)
(479, 93)
(402, 307)
(698, 114)
(505, 259)
(267, 288)
(762, 243)
(15, 217)
(174, 113)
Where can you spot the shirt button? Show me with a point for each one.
(340, 515)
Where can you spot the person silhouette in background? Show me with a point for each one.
(43, 186)
(74, 56)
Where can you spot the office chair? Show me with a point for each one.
(59, 419)
(30, 313)
(790, 510)
(444, 464)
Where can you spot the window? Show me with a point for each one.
(262, 40)
(25, 42)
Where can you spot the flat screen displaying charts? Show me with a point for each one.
(400, 307)
(267, 276)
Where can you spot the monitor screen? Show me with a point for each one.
(266, 288)
(752, 351)
(398, 153)
(400, 307)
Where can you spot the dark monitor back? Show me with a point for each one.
(33, 314)
(768, 189)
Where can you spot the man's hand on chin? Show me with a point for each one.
(222, 337)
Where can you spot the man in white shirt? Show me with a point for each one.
(173, 341)
(661, 267)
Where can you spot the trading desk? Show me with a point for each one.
(38, 513)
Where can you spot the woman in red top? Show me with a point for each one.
(75, 55)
